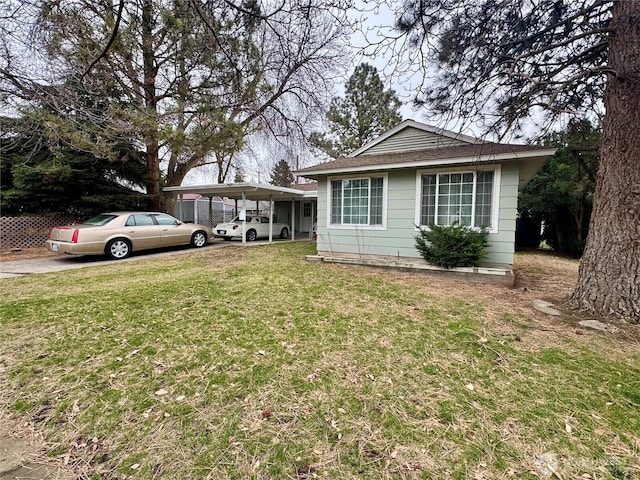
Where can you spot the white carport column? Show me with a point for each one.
(270, 218)
(244, 218)
(293, 219)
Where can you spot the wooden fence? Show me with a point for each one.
(28, 232)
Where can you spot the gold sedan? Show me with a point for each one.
(117, 234)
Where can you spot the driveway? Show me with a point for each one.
(16, 268)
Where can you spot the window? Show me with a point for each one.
(139, 220)
(165, 220)
(306, 209)
(100, 220)
(463, 197)
(357, 201)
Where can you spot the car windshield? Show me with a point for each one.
(99, 220)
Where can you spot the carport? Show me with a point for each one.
(255, 192)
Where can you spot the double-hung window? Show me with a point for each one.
(357, 201)
(466, 198)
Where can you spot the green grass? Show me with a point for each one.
(252, 363)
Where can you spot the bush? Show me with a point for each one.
(452, 246)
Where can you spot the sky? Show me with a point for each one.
(375, 21)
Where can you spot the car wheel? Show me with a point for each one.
(199, 239)
(118, 248)
(251, 235)
(284, 233)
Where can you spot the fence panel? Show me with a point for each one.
(29, 232)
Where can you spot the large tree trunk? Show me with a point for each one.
(609, 279)
(151, 105)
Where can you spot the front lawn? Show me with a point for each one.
(252, 363)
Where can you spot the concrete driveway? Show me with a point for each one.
(16, 268)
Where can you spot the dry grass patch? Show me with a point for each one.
(251, 363)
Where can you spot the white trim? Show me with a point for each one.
(420, 126)
(547, 152)
(495, 194)
(385, 197)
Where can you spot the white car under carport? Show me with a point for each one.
(256, 226)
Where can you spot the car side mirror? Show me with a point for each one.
(178, 222)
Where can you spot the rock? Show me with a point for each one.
(596, 325)
(545, 307)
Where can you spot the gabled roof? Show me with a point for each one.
(458, 154)
(441, 132)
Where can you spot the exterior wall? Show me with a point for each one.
(412, 139)
(397, 239)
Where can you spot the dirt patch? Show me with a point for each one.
(8, 255)
(538, 276)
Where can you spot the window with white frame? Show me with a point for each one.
(463, 197)
(357, 201)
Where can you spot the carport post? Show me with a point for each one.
(270, 218)
(181, 198)
(293, 219)
(244, 219)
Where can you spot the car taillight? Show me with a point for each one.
(74, 237)
(235, 227)
(50, 234)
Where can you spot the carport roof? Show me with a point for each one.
(252, 191)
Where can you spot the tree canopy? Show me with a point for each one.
(561, 193)
(366, 111)
(185, 81)
(501, 63)
(505, 62)
(41, 178)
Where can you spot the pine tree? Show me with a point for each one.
(505, 60)
(282, 175)
(366, 111)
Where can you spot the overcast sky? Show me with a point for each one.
(376, 24)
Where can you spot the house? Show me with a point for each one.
(371, 203)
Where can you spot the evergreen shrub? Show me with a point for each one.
(452, 246)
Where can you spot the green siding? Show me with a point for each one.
(412, 139)
(397, 240)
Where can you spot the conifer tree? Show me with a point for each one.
(281, 175)
(366, 111)
(500, 62)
